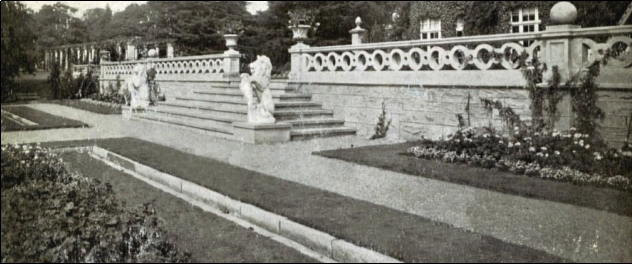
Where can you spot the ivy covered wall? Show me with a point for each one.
(481, 17)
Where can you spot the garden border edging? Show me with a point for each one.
(318, 241)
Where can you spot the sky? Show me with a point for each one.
(117, 6)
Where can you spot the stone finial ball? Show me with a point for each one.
(152, 53)
(358, 21)
(563, 13)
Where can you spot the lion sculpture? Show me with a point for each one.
(256, 90)
(138, 88)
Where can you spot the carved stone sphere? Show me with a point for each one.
(563, 13)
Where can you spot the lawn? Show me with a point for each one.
(209, 238)
(391, 157)
(411, 239)
(43, 120)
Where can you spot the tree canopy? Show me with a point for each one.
(18, 42)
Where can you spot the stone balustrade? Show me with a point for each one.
(84, 69)
(488, 60)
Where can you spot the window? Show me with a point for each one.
(430, 28)
(525, 20)
(460, 24)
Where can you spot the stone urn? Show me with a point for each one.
(300, 32)
(231, 41)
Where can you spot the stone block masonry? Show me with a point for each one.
(432, 111)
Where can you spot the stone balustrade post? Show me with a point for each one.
(358, 34)
(298, 63)
(231, 66)
(565, 53)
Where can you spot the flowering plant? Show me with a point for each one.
(568, 156)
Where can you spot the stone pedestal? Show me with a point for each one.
(231, 66)
(261, 133)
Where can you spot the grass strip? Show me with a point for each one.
(209, 238)
(43, 119)
(389, 157)
(407, 237)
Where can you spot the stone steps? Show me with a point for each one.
(241, 104)
(311, 133)
(286, 115)
(233, 96)
(214, 109)
(316, 123)
(208, 111)
(189, 120)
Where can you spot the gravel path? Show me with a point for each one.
(573, 232)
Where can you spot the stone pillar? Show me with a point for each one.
(169, 50)
(119, 50)
(298, 63)
(63, 59)
(231, 66)
(563, 52)
(357, 34)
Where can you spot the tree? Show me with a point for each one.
(97, 20)
(17, 44)
(57, 26)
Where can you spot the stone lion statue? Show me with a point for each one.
(138, 88)
(256, 90)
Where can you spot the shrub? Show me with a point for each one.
(51, 215)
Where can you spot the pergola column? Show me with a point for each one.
(169, 50)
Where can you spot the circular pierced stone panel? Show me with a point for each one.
(460, 57)
(478, 57)
(398, 59)
(417, 58)
(513, 48)
(379, 60)
(347, 61)
(621, 52)
(363, 60)
(436, 58)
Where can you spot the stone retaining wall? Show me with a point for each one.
(432, 111)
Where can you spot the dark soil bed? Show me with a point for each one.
(407, 237)
(206, 236)
(391, 157)
(43, 120)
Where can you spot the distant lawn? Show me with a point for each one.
(90, 107)
(43, 120)
(391, 157)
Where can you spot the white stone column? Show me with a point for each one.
(119, 50)
(169, 50)
(131, 50)
(93, 54)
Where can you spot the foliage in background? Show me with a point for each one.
(17, 44)
(54, 81)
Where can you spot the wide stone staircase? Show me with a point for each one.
(214, 110)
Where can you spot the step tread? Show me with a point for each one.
(303, 111)
(201, 107)
(327, 130)
(178, 121)
(243, 102)
(191, 114)
(315, 121)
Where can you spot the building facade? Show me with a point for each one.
(445, 19)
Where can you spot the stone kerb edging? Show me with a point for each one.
(318, 241)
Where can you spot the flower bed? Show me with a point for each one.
(50, 215)
(571, 157)
(93, 106)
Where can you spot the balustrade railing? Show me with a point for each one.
(569, 48)
(207, 67)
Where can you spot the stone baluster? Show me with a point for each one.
(357, 34)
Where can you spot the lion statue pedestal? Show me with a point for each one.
(261, 126)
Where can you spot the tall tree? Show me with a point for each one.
(17, 44)
(97, 20)
(57, 25)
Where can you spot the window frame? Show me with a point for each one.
(433, 32)
(536, 23)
